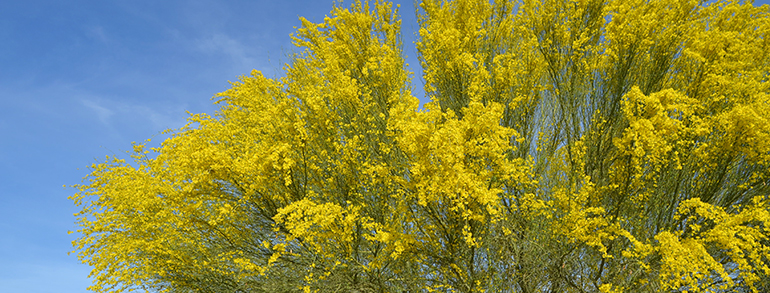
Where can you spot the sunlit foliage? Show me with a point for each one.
(569, 146)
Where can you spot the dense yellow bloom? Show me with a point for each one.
(569, 146)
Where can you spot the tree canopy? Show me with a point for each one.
(568, 146)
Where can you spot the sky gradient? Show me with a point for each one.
(81, 80)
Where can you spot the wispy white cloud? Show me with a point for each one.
(162, 118)
(114, 113)
(101, 112)
(219, 43)
(119, 116)
(97, 33)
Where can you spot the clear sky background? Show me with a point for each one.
(80, 80)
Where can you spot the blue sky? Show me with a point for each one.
(80, 80)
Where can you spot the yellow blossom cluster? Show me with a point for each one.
(569, 146)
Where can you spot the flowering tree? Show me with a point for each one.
(569, 146)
